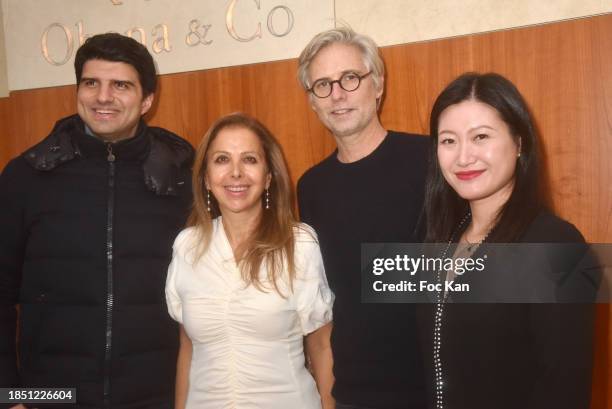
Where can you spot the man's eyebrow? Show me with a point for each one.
(349, 71)
(124, 81)
(129, 82)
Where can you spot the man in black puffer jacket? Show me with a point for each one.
(87, 221)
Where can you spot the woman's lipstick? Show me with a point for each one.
(468, 175)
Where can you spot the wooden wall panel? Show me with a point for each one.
(189, 103)
(564, 71)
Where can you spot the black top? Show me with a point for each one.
(508, 356)
(377, 361)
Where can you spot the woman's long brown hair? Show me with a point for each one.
(272, 241)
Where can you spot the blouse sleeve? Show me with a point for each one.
(314, 297)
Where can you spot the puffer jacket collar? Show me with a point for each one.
(161, 152)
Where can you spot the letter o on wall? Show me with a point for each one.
(290, 21)
(45, 46)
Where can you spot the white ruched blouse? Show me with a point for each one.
(247, 344)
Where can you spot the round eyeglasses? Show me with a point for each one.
(349, 81)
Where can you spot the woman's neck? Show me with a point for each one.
(485, 214)
(238, 229)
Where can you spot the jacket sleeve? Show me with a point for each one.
(563, 333)
(563, 348)
(12, 245)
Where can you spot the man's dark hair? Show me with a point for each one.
(118, 48)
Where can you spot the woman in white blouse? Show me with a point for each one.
(247, 282)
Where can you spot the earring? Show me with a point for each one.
(519, 154)
(208, 200)
(267, 199)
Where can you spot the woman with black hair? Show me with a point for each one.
(483, 188)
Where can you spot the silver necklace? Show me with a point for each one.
(437, 333)
(472, 246)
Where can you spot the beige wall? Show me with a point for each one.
(189, 35)
(182, 35)
(3, 77)
(392, 22)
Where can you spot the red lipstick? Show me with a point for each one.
(468, 175)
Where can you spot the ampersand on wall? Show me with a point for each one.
(197, 33)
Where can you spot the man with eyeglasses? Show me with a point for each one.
(369, 190)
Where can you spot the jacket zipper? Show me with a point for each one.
(109, 272)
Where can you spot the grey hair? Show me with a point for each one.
(344, 35)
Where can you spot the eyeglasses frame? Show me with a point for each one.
(338, 81)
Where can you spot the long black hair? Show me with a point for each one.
(444, 208)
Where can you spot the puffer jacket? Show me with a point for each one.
(86, 238)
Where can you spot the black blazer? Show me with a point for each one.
(503, 355)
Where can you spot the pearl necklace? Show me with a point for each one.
(441, 297)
